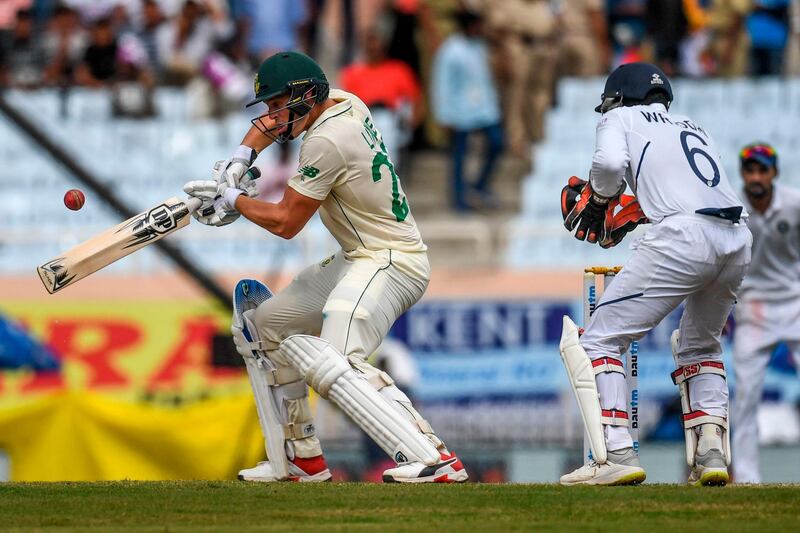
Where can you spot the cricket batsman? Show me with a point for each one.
(319, 330)
(768, 311)
(696, 252)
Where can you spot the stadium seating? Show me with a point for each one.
(147, 161)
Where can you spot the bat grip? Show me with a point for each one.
(193, 204)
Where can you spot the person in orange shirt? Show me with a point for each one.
(389, 88)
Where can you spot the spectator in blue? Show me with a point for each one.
(768, 28)
(465, 101)
(268, 27)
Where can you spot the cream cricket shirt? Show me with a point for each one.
(344, 163)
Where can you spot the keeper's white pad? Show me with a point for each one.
(605, 365)
(329, 373)
(581, 378)
(274, 387)
(608, 364)
(693, 419)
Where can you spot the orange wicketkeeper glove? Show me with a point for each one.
(619, 224)
(583, 210)
(597, 222)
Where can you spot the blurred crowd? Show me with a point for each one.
(435, 72)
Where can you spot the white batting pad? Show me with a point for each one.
(270, 423)
(271, 385)
(329, 373)
(581, 378)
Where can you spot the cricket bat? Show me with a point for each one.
(116, 243)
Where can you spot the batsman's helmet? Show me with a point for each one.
(631, 84)
(291, 73)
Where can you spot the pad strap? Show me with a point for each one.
(614, 417)
(424, 426)
(377, 378)
(698, 418)
(257, 346)
(281, 375)
(297, 431)
(380, 380)
(427, 430)
(300, 422)
(608, 364)
(689, 371)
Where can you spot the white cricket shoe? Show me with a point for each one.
(710, 469)
(449, 470)
(621, 468)
(311, 470)
(710, 465)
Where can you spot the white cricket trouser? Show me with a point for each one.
(760, 326)
(351, 300)
(695, 258)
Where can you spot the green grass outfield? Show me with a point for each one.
(237, 506)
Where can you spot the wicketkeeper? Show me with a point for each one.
(696, 252)
(319, 330)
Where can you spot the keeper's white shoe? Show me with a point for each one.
(312, 470)
(448, 470)
(710, 469)
(621, 468)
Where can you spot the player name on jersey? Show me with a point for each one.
(656, 117)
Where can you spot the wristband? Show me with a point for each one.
(230, 195)
(246, 153)
(600, 200)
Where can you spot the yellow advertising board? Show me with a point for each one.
(129, 349)
(136, 396)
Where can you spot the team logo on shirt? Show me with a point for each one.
(308, 172)
(783, 227)
(656, 80)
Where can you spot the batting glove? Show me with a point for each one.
(235, 167)
(214, 210)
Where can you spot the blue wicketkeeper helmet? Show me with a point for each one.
(631, 83)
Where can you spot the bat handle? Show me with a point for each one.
(193, 204)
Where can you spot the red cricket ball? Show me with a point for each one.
(74, 199)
